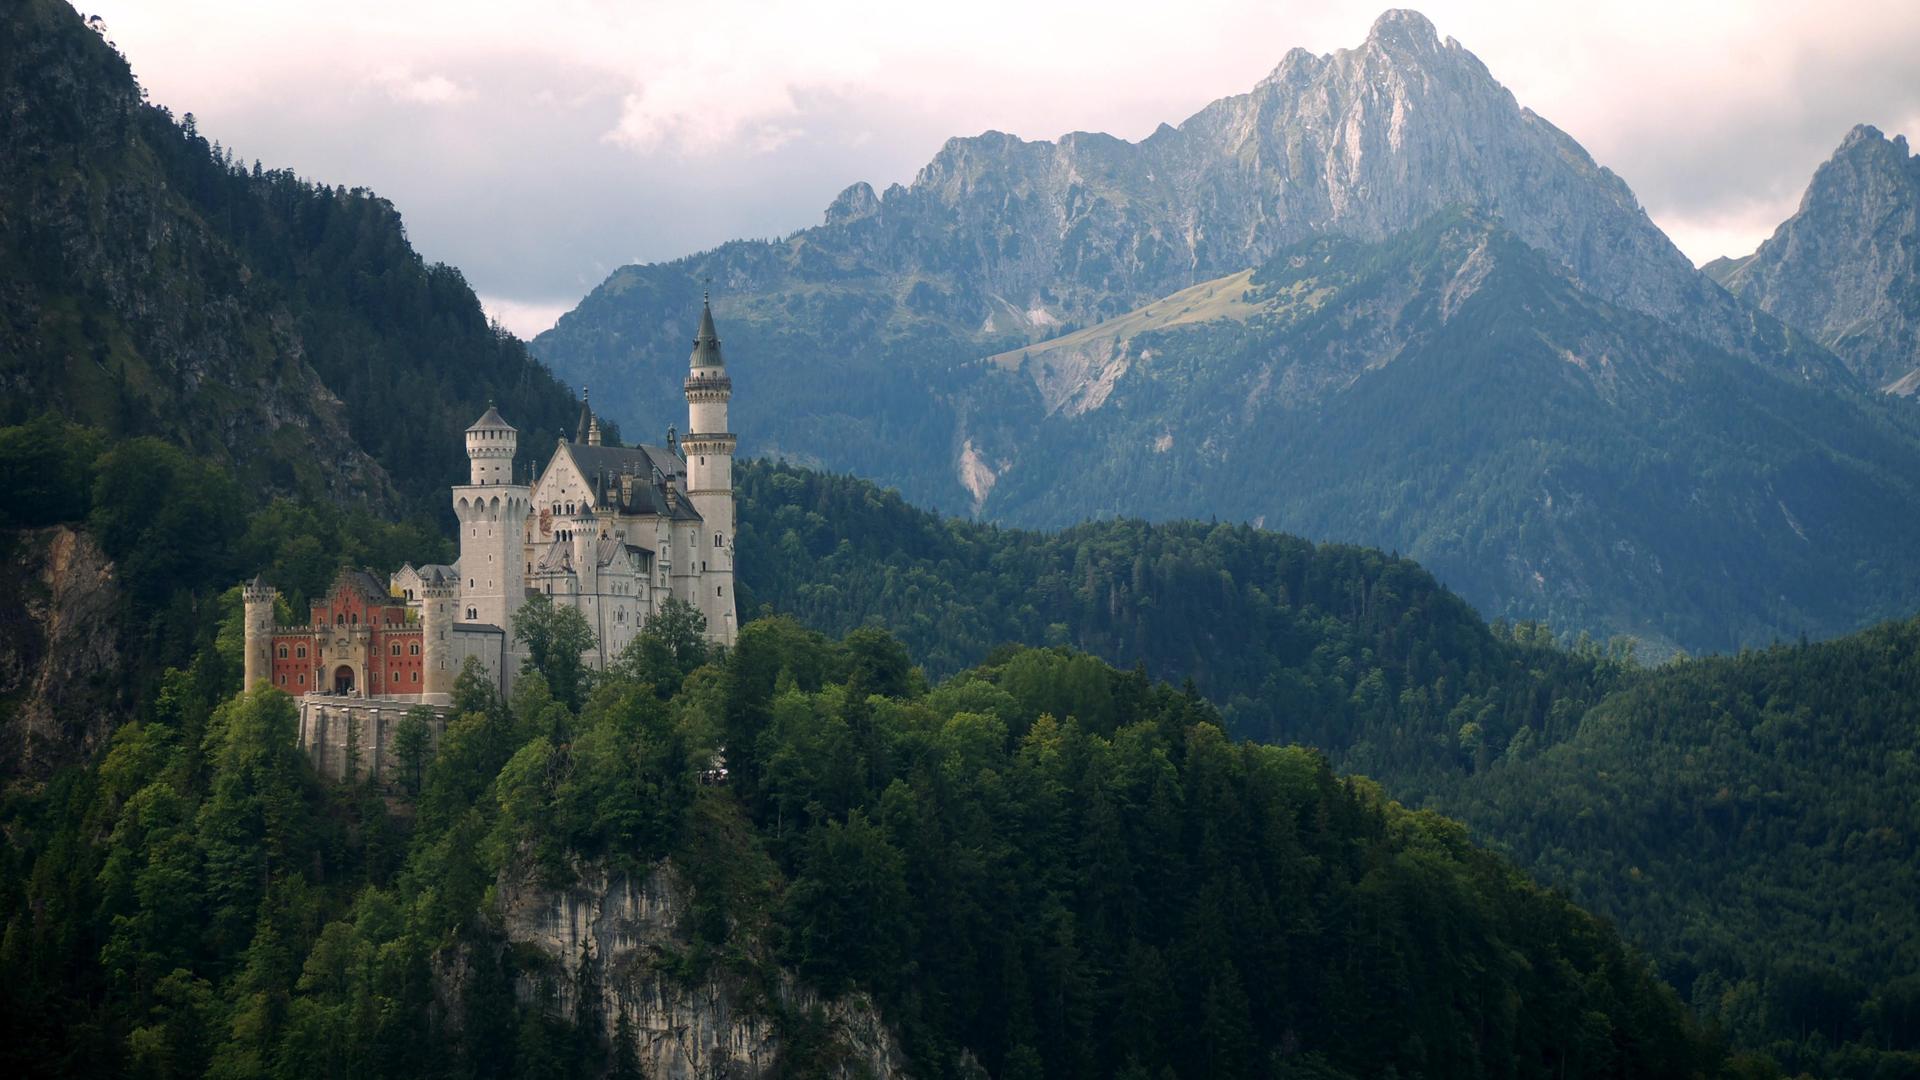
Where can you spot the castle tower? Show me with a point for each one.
(709, 449)
(257, 663)
(493, 519)
(438, 596)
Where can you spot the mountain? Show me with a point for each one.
(1748, 820)
(152, 285)
(1845, 268)
(1489, 358)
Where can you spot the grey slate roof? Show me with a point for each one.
(491, 420)
(610, 462)
(706, 344)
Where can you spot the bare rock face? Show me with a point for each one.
(1845, 268)
(59, 649)
(626, 934)
(1364, 142)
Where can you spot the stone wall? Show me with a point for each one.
(352, 737)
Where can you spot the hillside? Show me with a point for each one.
(1360, 654)
(1748, 820)
(152, 284)
(1537, 398)
(1044, 867)
(1845, 268)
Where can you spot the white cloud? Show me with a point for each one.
(620, 125)
(525, 318)
(404, 86)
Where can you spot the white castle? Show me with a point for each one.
(611, 532)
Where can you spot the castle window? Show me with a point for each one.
(716, 539)
(719, 590)
(283, 652)
(396, 648)
(303, 680)
(416, 676)
(472, 614)
(301, 652)
(283, 680)
(414, 649)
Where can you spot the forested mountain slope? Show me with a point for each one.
(1749, 820)
(1347, 649)
(1845, 267)
(1044, 867)
(150, 284)
(1374, 301)
(1752, 821)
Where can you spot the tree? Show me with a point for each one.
(667, 649)
(413, 745)
(557, 639)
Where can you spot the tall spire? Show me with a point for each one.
(586, 427)
(706, 344)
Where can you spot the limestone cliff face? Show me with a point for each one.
(627, 931)
(1845, 268)
(1364, 142)
(59, 649)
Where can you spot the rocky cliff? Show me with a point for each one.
(625, 939)
(59, 650)
(1845, 268)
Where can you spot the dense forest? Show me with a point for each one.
(1749, 820)
(1060, 868)
(1348, 649)
(153, 284)
(960, 780)
(1752, 821)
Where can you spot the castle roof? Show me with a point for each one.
(586, 425)
(606, 464)
(615, 460)
(491, 420)
(706, 344)
(362, 582)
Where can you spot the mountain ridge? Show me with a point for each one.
(1845, 267)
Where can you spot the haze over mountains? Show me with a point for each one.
(1461, 338)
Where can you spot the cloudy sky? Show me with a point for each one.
(539, 144)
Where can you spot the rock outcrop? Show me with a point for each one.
(59, 650)
(627, 934)
(1845, 268)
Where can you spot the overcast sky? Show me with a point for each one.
(539, 144)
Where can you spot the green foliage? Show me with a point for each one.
(1063, 868)
(557, 640)
(46, 472)
(153, 285)
(1363, 655)
(668, 648)
(413, 746)
(1751, 820)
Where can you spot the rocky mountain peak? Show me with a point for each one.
(1869, 139)
(857, 202)
(1404, 30)
(1842, 268)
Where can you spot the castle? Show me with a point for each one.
(611, 532)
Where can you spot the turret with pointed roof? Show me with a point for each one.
(708, 451)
